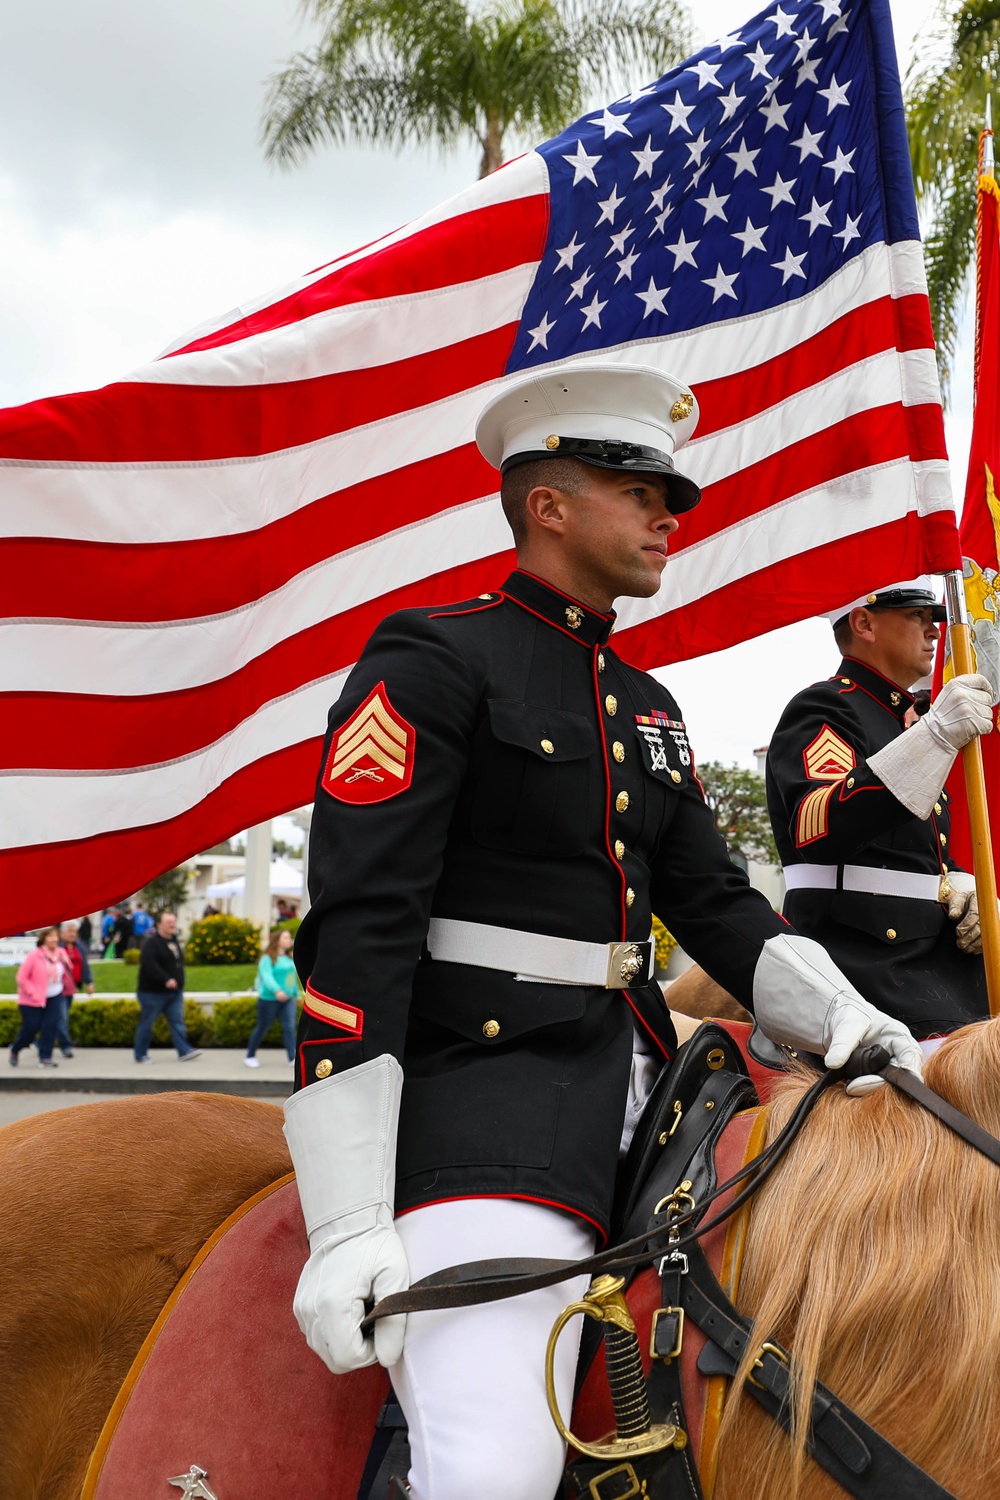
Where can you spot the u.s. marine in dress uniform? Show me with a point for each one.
(502, 805)
(861, 819)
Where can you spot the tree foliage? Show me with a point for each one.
(403, 72)
(167, 892)
(946, 89)
(739, 805)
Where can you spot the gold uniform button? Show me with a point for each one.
(629, 897)
(890, 932)
(938, 808)
(491, 1029)
(675, 776)
(850, 782)
(943, 837)
(600, 661)
(618, 751)
(621, 802)
(324, 1068)
(846, 681)
(619, 849)
(611, 704)
(486, 596)
(547, 746)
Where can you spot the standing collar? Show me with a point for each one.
(578, 621)
(891, 696)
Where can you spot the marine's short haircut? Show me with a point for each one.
(844, 635)
(569, 475)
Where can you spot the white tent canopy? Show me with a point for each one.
(285, 881)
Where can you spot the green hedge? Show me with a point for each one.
(112, 1023)
(223, 940)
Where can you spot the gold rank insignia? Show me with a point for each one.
(829, 757)
(371, 756)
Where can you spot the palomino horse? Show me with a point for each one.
(872, 1253)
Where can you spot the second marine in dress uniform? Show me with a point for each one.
(861, 819)
(502, 805)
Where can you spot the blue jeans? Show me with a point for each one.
(63, 1038)
(266, 1012)
(35, 1019)
(151, 1004)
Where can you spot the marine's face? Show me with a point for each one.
(905, 641)
(616, 531)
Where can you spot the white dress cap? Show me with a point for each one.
(623, 417)
(913, 593)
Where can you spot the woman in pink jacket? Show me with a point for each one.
(40, 983)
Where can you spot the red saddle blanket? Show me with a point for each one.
(226, 1384)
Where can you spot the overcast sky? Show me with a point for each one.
(135, 203)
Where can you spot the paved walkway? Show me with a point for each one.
(113, 1070)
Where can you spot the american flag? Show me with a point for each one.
(194, 556)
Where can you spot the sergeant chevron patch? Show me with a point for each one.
(829, 757)
(371, 757)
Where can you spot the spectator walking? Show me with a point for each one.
(142, 923)
(40, 983)
(107, 931)
(277, 989)
(160, 990)
(78, 977)
(86, 929)
(123, 938)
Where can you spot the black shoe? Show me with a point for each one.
(67, 1051)
(12, 1058)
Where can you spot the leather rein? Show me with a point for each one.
(482, 1281)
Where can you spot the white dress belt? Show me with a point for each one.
(871, 882)
(534, 956)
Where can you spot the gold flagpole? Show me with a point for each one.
(960, 642)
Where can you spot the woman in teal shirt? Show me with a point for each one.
(277, 989)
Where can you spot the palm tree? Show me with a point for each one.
(398, 72)
(946, 89)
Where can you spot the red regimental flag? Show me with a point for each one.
(980, 529)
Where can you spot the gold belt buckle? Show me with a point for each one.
(627, 1473)
(625, 964)
(944, 889)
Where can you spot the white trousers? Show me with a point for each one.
(471, 1381)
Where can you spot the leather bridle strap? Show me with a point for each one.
(974, 1135)
(862, 1462)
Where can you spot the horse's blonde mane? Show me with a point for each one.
(874, 1254)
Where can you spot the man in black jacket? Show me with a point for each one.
(861, 819)
(502, 805)
(160, 989)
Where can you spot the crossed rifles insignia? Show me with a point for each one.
(371, 756)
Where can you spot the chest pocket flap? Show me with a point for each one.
(553, 734)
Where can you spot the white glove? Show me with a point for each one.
(801, 999)
(915, 765)
(963, 908)
(341, 1134)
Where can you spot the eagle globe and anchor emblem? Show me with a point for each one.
(192, 1484)
(982, 598)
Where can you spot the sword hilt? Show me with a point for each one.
(634, 1432)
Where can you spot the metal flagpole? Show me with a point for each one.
(960, 642)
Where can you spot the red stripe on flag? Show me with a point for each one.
(887, 323)
(187, 580)
(150, 423)
(463, 248)
(138, 730)
(43, 883)
(807, 584)
(876, 436)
